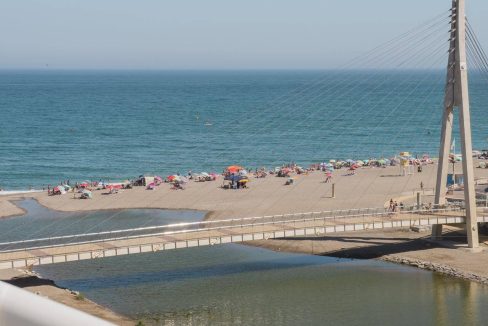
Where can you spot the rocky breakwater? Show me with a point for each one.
(436, 267)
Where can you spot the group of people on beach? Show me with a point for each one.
(394, 206)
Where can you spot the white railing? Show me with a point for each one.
(20, 307)
(205, 226)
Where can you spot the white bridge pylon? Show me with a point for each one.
(457, 96)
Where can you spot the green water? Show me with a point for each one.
(239, 285)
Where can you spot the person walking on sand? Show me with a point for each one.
(328, 177)
(391, 205)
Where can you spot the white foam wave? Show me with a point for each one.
(17, 192)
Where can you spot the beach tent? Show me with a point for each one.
(85, 194)
(59, 189)
(243, 172)
(148, 180)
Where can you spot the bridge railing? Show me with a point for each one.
(287, 220)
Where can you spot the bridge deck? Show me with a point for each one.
(219, 232)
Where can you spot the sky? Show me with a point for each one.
(207, 34)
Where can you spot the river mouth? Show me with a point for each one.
(236, 284)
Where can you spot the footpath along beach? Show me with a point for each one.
(368, 187)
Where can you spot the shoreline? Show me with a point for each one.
(265, 196)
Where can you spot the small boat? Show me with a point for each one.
(208, 123)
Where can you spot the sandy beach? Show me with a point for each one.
(369, 187)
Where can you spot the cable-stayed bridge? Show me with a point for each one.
(27, 253)
(424, 48)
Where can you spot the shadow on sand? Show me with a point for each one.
(370, 247)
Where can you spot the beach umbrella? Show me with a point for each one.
(234, 168)
(173, 177)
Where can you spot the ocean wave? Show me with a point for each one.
(17, 192)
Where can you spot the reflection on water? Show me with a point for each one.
(39, 222)
(234, 284)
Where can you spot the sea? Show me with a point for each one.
(59, 125)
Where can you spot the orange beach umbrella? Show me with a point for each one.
(234, 168)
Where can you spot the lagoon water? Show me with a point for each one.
(77, 125)
(241, 285)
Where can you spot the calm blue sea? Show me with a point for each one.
(76, 125)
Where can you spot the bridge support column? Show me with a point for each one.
(457, 95)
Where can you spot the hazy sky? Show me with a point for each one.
(207, 34)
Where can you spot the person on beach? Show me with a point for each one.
(391, 205)
(328, 177)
